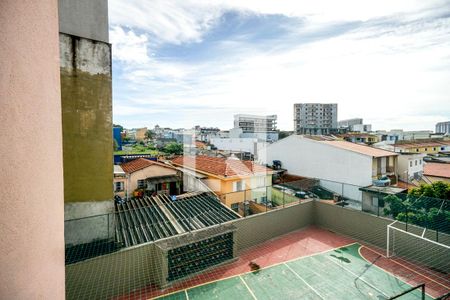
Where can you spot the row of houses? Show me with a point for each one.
(356, 172)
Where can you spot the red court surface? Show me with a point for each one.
(301, 243)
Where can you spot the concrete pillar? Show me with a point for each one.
(31, 172)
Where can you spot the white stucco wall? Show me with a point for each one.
(305, 157)
(404, 167)
(237, 144)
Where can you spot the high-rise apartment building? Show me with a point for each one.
(261, 127)
(443, 127)
(315, 118)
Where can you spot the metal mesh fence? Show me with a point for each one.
(150, 247)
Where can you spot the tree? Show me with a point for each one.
(150, 134)
(174, 148)
(427, 205)
(438, 189)
(120, 126)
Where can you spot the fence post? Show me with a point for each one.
(108, 228)
(283, 197)
(407, 217)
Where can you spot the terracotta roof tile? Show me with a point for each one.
(220, 166)
(139, 164)
(437, 170)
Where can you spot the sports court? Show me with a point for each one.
(341, 273)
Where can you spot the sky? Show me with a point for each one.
(186, 63)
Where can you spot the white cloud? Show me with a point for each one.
(393, 71)
(128, 46)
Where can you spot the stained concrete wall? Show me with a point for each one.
(32, 213)
(84, 18)
(87, 119)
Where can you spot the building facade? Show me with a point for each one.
(260, 127)
(154, 178)
(233, 180)
(315, 118)
(443, 127)
(341, 166)
(410, 167)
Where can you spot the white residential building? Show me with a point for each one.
(260, 127)
(342, 167)
(410, 166)
(238, 144)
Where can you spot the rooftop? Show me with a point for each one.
(153, 218)
(218, 166)
(141, 163)
(437, 170)
(362, 149)
(389, 190)
(118, 170)
(421, 143)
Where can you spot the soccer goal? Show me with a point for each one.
(415, 245)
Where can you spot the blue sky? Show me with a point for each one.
(186, 63)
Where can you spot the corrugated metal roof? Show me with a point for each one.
(152, 218)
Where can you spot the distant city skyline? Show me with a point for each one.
(187, 63)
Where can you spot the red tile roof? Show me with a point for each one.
(221, 166)
(436, 170)
(141, 163)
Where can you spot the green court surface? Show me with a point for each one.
(337, 274)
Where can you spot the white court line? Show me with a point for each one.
(187, 295)
(296, 274)
(248, 288)
(357, 277)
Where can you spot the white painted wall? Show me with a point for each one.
(408, 164)
(305, 157)
(237, 144)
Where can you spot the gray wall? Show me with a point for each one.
(259, 228)
(112, 274)
(373, 230)
(84, 18)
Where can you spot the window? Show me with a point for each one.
(118, 186)
(235, 207)
(420, 161)
(238, 186)
(415, 162)
(141, 184)
(410, 163)
(417, 150)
